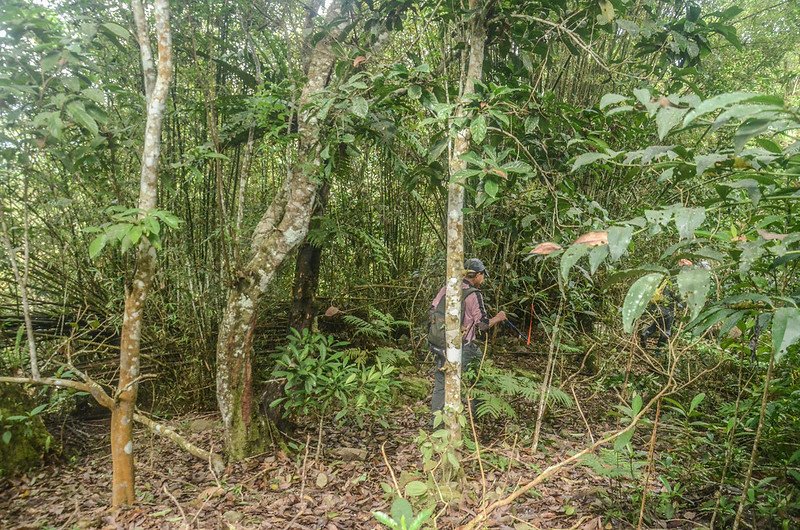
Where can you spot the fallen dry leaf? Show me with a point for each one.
(332, 311)
(359, 60)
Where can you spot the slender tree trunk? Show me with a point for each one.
(306, 274)
(130, 341)
(455, 229)
(281, 229)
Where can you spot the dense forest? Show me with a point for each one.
(404, 264)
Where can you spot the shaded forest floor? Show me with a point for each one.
(340, 490)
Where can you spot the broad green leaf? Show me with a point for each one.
(687, 220)
(619, 237)
(667, 119)
(401, 509)
(636, 405)
(117, 30)
(78, 113)
(416, 488)
(693, 284)
(571, 257)
(7, 437)
(717, 102)
(703, 162)
(596, 257)
(415, 91)
(587, 158)
(623, 440)
(643, 95)
(696, 401)
(611, 99)
(478, 129)
(785, 330)
(490, 186)
(639, 295)
(97, 245)
(360, 107)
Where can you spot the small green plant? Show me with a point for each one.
(320, 377)
(22, 425)
(128, 227)
(496, 388)
(379, 326)
(402, 516)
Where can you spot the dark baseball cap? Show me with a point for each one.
(475, 265)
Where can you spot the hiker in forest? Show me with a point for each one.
(474, 319)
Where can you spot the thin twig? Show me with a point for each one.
(391, 471)
(171, 496)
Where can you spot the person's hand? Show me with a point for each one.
(500, 316)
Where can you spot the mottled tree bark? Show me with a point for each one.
(124, 404)
(306, 274)
(455, 229)
(281, 229)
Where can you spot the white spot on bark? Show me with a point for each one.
(128, 448)
(125, 420)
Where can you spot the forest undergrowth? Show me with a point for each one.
(348, 479)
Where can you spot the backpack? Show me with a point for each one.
(436, 336)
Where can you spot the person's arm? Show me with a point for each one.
(499, 317)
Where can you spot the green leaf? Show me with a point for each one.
(611, 99)
(571, 256)
(687, 220)
(619, 237)
(636, 405)
(360, 107)
(639, 295)
(623, 440)
(596, 257)
(717, 102)
(385, 520)
(667, 119)
(97, 245)
(37, 410)
(7, 437)
(401, 509)
(117, 30)
(693, 284)
(490, 186)
(478, 129)
(696, 401)
(415, 91)
(416, 488)
(785, 330)
(78, 113)
(588, 158)
(703, 162)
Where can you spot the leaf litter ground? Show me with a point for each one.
(338, 491)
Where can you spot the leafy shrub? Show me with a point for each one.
(321, 377)
(496, 389)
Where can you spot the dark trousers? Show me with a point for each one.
(471, 353)
(662, 325)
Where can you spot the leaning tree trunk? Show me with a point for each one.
(455, 230)
(306, 274)
(282, 228)
(122, 412)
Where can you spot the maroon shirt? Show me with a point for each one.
(474, 317)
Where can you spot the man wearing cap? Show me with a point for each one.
(473, 319)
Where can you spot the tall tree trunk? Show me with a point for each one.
(282, 228)
(306, 274)
(455, 228)
(125, 398)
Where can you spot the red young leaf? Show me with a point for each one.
(544, 249)
(594, 239)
